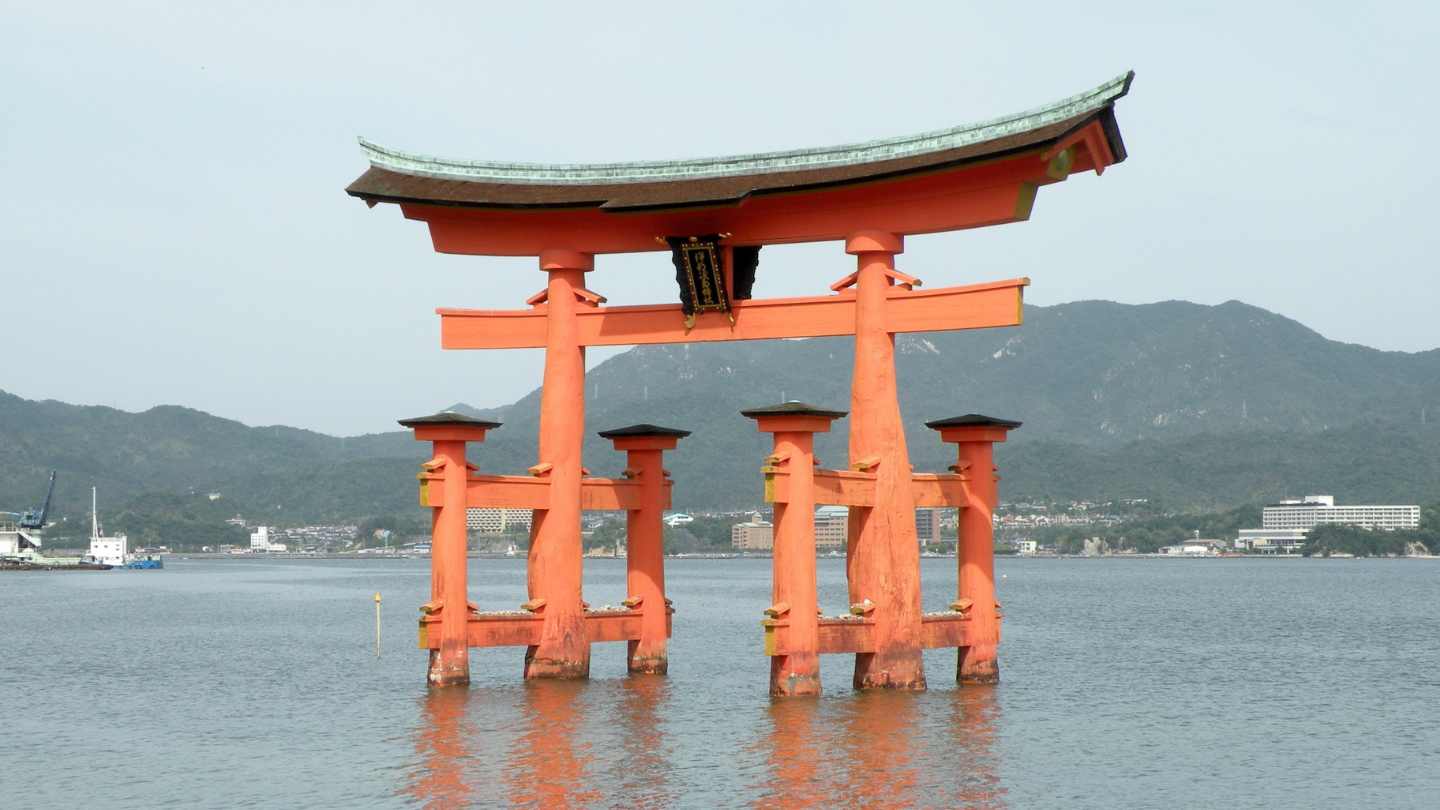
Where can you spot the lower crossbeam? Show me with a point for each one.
(522, 629)
(856, 634)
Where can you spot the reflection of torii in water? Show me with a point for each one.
(869, 196)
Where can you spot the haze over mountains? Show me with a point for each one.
(1196, 405)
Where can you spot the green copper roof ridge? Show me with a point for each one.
(568, 174)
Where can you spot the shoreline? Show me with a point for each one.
(351, 555)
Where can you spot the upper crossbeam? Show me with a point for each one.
(976, 306)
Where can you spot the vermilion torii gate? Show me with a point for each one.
(714, 215)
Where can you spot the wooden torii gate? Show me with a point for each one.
(870, 196)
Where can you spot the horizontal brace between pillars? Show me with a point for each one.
(530, 492)
(940, 489)
(852, 634)
(832, 487)
(851, 488)
(977, 306)
(520, 629)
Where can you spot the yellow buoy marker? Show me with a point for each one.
(377, 624)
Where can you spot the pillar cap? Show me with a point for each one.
(793, 408)
(973, 420)
(448, 419)
(874, 242)
(566, 260)
(646, 431)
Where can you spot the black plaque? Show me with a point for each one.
(704, 277)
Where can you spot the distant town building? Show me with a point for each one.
(927, 525)
(1284, 525)
(260, 540)
(832, 527)
(678, 519)
(1196, 548)
(488, 520)
(753, 535)
(1025, 546)
(1314, 510)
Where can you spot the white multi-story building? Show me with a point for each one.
(260, 540)
(1314, 510)
(1285, 524)
(488, 520)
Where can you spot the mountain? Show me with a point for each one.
(1137, 400)
(166, 448)
(1196, 405)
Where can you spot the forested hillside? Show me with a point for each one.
(1201, 406)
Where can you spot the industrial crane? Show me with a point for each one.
(32, 519)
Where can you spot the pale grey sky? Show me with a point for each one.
(174, 230)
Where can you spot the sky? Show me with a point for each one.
(174, 227)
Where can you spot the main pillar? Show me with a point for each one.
(449, 601)
(795, 601)
(554, 567)
(883, 552)
(644, 447)
(975, 548)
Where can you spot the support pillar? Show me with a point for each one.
(883, 551)
(975, 548)
(448, 433)
(645, 446)
(795, 601)
(554, 566)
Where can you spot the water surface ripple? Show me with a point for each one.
(1127, 683)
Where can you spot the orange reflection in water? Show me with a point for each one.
(645, 768)
(549, 762)
(534, 751)
(444, 745)
(861, 750)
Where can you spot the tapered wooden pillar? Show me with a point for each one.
(554, 567)
(883, 551)
(793, 589)
(975, 549)
(645, 446)
(448, 433)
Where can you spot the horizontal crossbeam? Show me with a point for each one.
(856, 634)
(522, 629)
(531, 492)
(977, 306)
(852, 488)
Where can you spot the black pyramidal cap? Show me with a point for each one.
(793, 408)
(636, 431)
(973, 420)
(449, 418)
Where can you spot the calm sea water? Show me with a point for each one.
(1126, 684)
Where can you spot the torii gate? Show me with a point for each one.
(870, 196)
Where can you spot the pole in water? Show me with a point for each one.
(377, 624)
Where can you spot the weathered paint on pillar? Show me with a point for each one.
(883, 553)
(793, 587)
(644, 446)
(450, 664)
(975, 549)
(978, 663)
(448, 433)
(554, 565)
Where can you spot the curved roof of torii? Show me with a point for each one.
(676, 194)
(397, 176)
